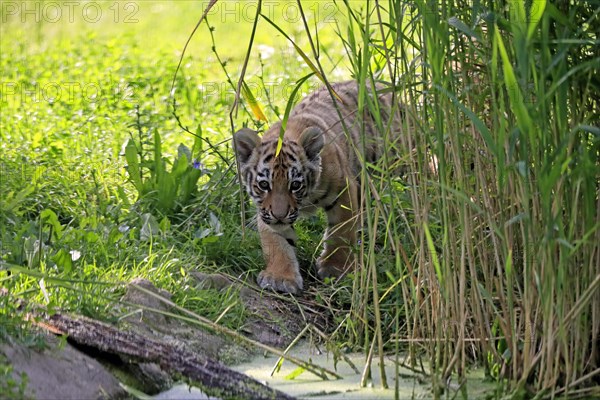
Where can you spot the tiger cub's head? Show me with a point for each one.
(279, 184)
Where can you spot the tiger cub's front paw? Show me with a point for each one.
(333, 265)
(290, 283)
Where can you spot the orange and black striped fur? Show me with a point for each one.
(318, 166)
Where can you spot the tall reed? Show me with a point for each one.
(494, 227)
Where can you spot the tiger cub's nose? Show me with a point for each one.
(280, 213)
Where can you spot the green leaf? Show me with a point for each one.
(479, 124)
(188, 184)
(210, 239)
(518, 19)
(592, 65)
(167, 192)
(63, 260)
(288, 109)
(198, 148)
(159, 164)
(91, 237)
(49, 217)
(535, 16)
(294, 374)
(432, 251)
(180, 165)
(165, 224)
(123, 196)
(461, 26)
(133, 166)
(517, 218)
(514, 91)
(509, 266)
(11, 203)
(559, 17)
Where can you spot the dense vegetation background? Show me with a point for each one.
(490, 257)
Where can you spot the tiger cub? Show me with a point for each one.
(317, 166)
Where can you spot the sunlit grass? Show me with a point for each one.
(74, 230)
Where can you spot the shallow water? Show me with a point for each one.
(411, 385)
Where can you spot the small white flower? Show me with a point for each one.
(75, 255)
(265, 51)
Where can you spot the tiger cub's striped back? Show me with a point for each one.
(318, 166)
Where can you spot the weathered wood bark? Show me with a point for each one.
(214, 378)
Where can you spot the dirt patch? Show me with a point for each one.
(272, 320)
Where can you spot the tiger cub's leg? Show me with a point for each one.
(340, 235)
(282, 272)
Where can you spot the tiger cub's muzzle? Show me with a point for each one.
(279, 216)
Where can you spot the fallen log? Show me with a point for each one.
(213, 377)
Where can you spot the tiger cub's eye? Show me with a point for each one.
(295, 185)
(264, 185)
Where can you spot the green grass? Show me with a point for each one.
(493, 258)
(75, 228)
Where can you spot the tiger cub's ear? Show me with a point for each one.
(245, 140)
(311, 139)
